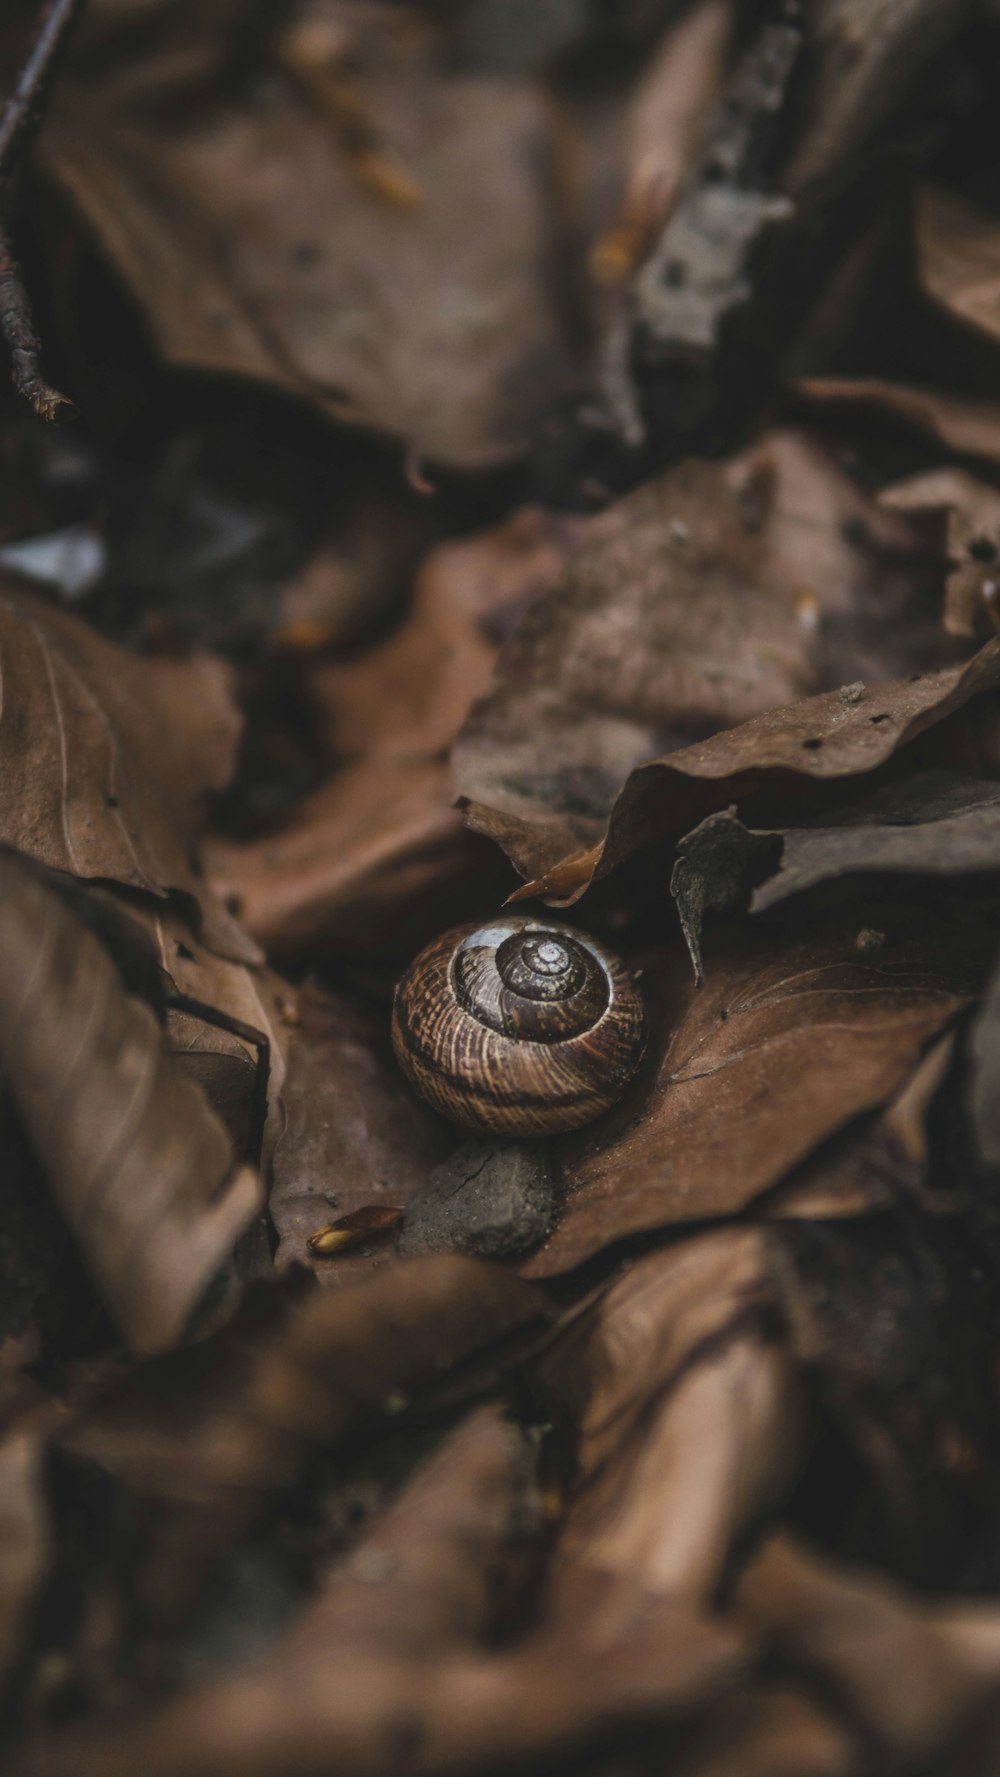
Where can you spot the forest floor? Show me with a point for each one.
(502, 497)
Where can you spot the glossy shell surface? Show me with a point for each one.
(520, 1027)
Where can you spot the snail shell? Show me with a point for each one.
(518, 1027)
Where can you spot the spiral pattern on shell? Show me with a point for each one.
(520, 1027)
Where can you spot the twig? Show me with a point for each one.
(18, 119)
(21, 112)
(22, 341)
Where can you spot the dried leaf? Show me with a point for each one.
(409, 697)
(984, 1070)
(863, 67)
(708, 597)
(958, 254)
(910, 1672)
(350, 582)
(256, 250)
(25, 1537)
(109, 758)
(717, 865)
(770, 1732)
(379, 849)
(885, 1312)
(876, 1163)
(969, 424)
(352, 1134)
(667, 118)
(973, 520)
(142, 1169)
(839, 734)
(392, 1661)
(376, 859)
(359, 1662)
(784, 1044)
(203, 1441)
(933, 823)
(224, 1065)
(690, 1428)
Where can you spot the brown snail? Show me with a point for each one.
(519, 1027)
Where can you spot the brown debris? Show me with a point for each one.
(352, 1133)
(25, 1537)
(205, 1442)
(666, 123)
(839, 734)
(689, 1429)
(391, 1660)
(911, 1673)
(783, 1045)
(142, 1169)
(382, 834)
(966, 424)
(378, 849)
(704, 599)
(257, 250)
(924, 825)
(973, 542)
(585, 413)
(109, 758)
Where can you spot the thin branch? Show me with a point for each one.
(18, 119)
(23, 343)
(21, 112)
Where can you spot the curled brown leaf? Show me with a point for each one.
(786, 1043)
(141, 1167)
(839, 734)
(109, 758)
(713, 597)
(205, 1440)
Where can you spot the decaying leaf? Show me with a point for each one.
(984, 1058)
(772, 1731)
(958, 251)
(911, 1672)
(840, 734)
(25, 1537)
(968, 424)
(352, 1134)
(205, 1440)
(878, 1163)
(384, 825)
(255, 249)
(109, 758)
(717, 865)
(393, 330)
(392, 1660)
(348, 584)
(231, 1029)
(784, 1044)
(666, 122)
(690, 1427)
(930, 824)
(973, 520)
(378, 850)
(707, 598)
(862, 64)
(141, 1167)
(408, 698)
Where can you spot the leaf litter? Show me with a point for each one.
(542, 451)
